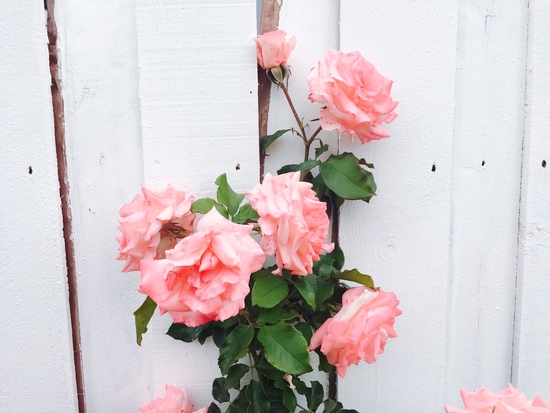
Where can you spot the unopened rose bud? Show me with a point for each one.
(278, 74)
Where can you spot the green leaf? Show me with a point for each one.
(355, 276)
(305, 329)
(289, 399)
(142, 317)
(219, 392)
(268, 370)
(316, 396)
(272, 315)
(323, 289)
(319, 186)
(345, 177)
(324, 365)
(362, 161)
(321, 149)
(240, 403)
(337, 255)
(285, 348)
(306, 291)
(226, 195)
(203, 205)
(213, 408)
(244, 214)
(269, 290)
(267, 140)
(301, 387)
(234, 347)
(332, 406)
(187, 334)
(259, 403)
(234, 376)
(222, 210)
(304, 166)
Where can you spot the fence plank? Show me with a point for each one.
(532, 341)
(98, 49)
(198, 89)
(298, 19)
(402, 237)
(490, 87)
(35, 344)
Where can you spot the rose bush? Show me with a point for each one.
(175, 401)
(293, 221)
(359, 330)
(356, 97)
(205, 277)
(272, 48)
(153, 223)
(509, 400)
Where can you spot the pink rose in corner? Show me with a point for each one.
(153, 223)
(175, 401)
(293, 221)
(205, 277)
(359, 330)
(272, 48)
(356, 96)
(509, 400)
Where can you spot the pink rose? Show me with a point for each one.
(359, 330)
(356, 96)
(153, 223)
(175, 401)
(205, 277)
(293, 221)
(509, 400)
(272, 48)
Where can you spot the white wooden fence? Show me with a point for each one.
(165, 91)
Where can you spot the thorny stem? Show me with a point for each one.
(289, 100)
(309, 142)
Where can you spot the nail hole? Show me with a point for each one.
(30, 170)
(543, 163)
(238, 167)
(483, 163)
(433, 167)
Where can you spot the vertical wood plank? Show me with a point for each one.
(402, 238)
(198, 89)
(490, 86)
(99, 75)
(532, 340)
(35, 344)
(300, 18)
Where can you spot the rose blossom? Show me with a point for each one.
(175, 401)
(356, 96)
(359, 330)
(152, 223)
(272, 48)
(509, 400)
(293, 221)
(205, 277)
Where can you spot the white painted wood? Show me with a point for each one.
(99, 72)
(402, 238)
(35, 340)
(198, 90)
(490, 85)
(532, 341)
(299, 18)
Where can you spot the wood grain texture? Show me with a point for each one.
(198, 90)
(35, 345)
(403, 238)
(532, 341)
(99, 75)
(490, 87)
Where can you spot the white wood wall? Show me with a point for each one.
(164, 91)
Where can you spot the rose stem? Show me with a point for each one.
(289, 100)
(310, 141)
